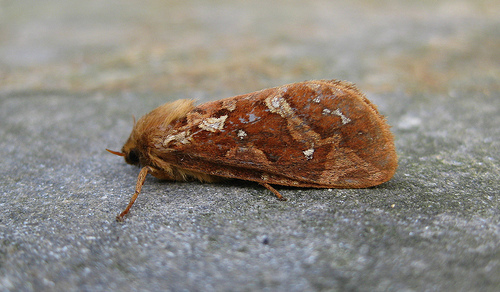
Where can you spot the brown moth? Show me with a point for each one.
(319, 134)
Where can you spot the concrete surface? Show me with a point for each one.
(72, 74)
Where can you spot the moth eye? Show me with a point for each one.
(132, 157)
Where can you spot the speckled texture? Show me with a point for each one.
(72, 73)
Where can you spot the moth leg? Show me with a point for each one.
(140, 182)
(269, 187)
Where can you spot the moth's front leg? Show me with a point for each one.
(138, 186)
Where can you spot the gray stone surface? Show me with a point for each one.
(72, 73)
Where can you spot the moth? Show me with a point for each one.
(313, 134)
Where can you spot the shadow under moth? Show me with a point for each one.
(314, 134)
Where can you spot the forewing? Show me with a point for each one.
(316, 134)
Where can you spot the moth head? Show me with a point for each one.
(131, 155)
(131, 152)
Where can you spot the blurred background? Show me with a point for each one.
(231, 47)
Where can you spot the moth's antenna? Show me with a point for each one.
(115, 152)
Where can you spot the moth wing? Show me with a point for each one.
(309, 134)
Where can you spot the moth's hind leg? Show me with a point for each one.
(269, 187)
